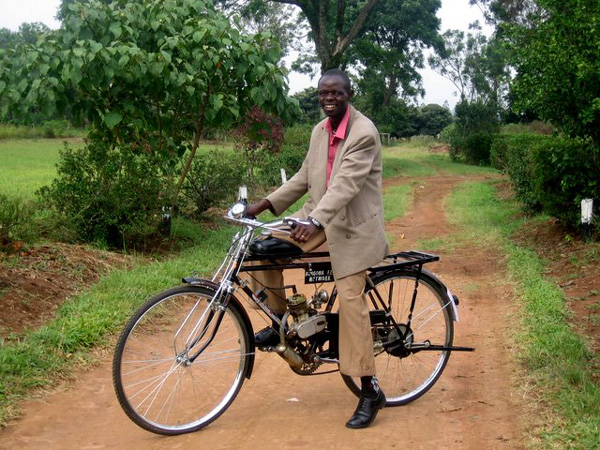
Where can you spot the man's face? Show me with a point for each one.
(333, 96)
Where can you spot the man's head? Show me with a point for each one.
(334, 91)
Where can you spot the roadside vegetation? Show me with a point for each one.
(559, 371)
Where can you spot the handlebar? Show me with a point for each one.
(237, 215)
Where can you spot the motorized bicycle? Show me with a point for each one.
(183, 356)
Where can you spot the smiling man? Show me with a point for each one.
(342, 175)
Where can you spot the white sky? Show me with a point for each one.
(455, 14)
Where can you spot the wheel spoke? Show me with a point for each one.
(405, 375)
(163, 391)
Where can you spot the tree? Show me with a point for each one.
(507, 11)
(432, 119)
(334, 26)
(28, 34)
(461, 62)
(558, 65)
(308, 100)
(154, 75)
(390, 51)
(259, 16)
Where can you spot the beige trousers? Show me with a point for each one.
(355, 339)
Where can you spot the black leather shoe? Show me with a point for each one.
(366, 411)
(267, 337)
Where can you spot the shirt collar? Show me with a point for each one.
(340, 133)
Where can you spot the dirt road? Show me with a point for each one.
(474, 405)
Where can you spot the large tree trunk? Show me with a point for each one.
(330, 51)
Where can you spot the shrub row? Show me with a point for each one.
(549, 173)
(48, 129)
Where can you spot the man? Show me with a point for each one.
(342, 175)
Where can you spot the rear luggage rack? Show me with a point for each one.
(404, 259)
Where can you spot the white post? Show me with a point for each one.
(243, 193)
(587, 210)
(587, 215)
(283, 176)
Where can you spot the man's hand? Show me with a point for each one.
(302, 233)
(256, 208)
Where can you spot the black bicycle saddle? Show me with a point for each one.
(272, 246)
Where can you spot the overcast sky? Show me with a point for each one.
(455, 14)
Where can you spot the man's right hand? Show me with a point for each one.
(256, 208)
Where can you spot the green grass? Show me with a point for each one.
(555, 358)
(406, 161)
(413, 159)
(396, 200)
(435, 244)
(27, 165)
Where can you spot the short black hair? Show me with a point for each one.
(339, 73)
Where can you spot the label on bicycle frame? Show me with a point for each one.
(318, 273)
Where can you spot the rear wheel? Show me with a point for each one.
(159, 382)
(406, 369)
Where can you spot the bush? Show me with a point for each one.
(56, 128)
(565, 171)
(213, 180)
(259, 132)
(108, 195)
(535, 127)
(514, 155)
(290, 157)
(550, 174)
(15, 219)
(49, 129)
(471, 136)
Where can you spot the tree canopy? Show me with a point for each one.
(389, 53)
(557, 60)
(152, 73)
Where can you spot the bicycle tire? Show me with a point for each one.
(406, 376)
(157, 387)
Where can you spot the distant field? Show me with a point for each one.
(27, 165)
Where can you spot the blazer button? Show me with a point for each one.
(348, 236)
(343, 218)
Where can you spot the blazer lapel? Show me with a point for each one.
(320, 166)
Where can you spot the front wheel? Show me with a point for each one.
(407, 371)
(181, 360)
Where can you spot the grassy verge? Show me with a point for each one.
(396, 200)
(84, 321)
(555, 358)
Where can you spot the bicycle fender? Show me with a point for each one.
(194, 281)
(453, 298)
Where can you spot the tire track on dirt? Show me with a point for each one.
(472, 406)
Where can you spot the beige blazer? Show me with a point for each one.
(351, 210)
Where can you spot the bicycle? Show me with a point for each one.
(183, 356)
